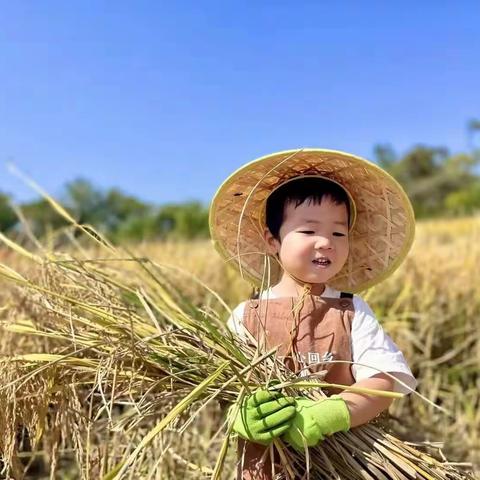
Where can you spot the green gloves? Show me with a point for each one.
(315, 419)
(266, 415)
(263, 416)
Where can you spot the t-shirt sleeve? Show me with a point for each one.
(371, 346)
(234, 322)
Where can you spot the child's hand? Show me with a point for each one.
(263, 416)
(315, 419)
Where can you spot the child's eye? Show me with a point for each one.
(338, 234)
(306, 231)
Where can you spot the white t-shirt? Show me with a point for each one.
(370, 344)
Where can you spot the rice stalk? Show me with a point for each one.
(117, 346)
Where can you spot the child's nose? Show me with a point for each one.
(323, 242)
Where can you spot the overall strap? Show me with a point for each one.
(346, 295)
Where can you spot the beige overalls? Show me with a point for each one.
(321, 331)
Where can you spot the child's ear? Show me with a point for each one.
(271, 243)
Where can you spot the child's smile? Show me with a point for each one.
(322, 262)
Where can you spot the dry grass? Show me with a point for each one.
(93, 407)
(430, 307)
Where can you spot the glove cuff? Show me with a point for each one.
(337, 413)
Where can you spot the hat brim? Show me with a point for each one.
(379, 240)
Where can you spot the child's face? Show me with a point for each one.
(301, 241)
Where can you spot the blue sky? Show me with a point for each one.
(165, 99)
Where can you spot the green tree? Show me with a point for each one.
(137, 228)
(419, 163)
(85, 201)
(429, 175)
(8, 219)
(385, 156)
(42, 217)
(106, 211)
(127, 217)
(188, 220)
(466, 201)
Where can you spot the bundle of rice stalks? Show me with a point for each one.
(96, 351)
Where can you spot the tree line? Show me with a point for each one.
(439, 185)
(111, 212)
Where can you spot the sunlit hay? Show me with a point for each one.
(37, 415)
(110, 343)
(431, 307)
(198, 258)
(133, 337)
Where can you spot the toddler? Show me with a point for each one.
(311, 227)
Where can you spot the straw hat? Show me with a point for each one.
(381, 230)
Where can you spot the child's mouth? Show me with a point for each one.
(323, 263)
